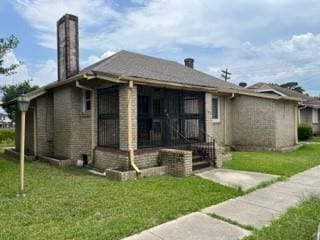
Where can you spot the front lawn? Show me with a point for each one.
(299, 223)
(286, 164)
(314, 139)
(70, 204)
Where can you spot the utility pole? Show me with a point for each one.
(225, 74)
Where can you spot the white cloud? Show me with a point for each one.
(245, 35)
(295, 59)
(41, 73)
(93, 59)
(165, 24)
(43, 15)
(21, 72)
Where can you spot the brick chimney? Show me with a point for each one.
(67, 46)
(188, 62)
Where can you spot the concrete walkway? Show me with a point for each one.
(235, 178)
(258, 208)
(255, 209)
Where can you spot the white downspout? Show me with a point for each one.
(78, 85)
(130, 149)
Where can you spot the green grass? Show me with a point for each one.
(285, 164)
(299, 223)
(314, 139)
(6, 135)
(70, 204)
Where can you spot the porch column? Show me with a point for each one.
(208, 115)
(123, 117)
(296, 123)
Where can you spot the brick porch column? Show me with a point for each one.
(123, 117)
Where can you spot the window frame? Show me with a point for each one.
(218, 119)
(85, 100)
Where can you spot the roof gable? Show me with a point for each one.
(264, 87)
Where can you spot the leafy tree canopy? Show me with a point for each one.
(293, 86)
(10, 92)
(7, 45)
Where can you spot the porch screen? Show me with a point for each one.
(108, 117)
(169, 117)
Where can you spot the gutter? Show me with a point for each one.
(175, 85)
(78, 85)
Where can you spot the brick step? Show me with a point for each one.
(196, 158)
(200, 165)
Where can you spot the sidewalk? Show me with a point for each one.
(255, 209)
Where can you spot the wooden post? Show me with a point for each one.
(22, 141)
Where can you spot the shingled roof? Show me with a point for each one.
(129, 64)
(307, 100)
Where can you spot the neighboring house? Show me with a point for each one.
(123, 109)
(5, 121)
(309, 107)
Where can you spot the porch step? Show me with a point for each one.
(200, 164)
(196, 158)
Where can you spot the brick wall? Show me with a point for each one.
(285, 125)
(107, 159)
(178, 162)
(62, 108)
(80, 125)
(111, 158)
(253, 123)
(123, 115)
(29, 130)
(45, 127)
(262, 124)
(147, 159)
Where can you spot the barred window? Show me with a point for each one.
(108, 117)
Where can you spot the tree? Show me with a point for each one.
(293, 86)
(10, 92)
(7, 45)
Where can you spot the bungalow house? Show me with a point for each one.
(121, 111)
(309, 107)
(5, 121)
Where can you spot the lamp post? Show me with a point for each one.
(23, 105)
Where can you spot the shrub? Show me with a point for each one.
(6, 135)
(304, 131)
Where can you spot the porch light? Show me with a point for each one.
(23, 105)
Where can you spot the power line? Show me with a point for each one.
(225, 74)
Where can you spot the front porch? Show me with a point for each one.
(161, 119)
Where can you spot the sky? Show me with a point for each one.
(258, 41)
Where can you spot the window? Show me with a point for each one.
(108, 117)
(216, 109)
(315, 116)
(86, 94)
